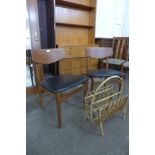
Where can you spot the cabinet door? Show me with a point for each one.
(74, 52)
(92, 63)
(74, 66)
(77, 66)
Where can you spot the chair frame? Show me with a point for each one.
(119, 45)
(101, 102)
(122, 42)
(123, 68)
(60, 96)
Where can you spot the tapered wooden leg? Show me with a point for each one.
(122, 69)
(58, 104)
(85, 88)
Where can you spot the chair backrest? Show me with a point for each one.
(45, 56)
(99, 52)
(120, 47)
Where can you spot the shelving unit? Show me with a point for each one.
(74, 5)
(74, 31)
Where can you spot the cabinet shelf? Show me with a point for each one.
(74, 5)
(75, 30)
(73, 25)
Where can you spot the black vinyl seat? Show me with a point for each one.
(101, 53)
(63, 82)
(100, 73)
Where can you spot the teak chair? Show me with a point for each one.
(106, 100)
(103, 54)
(62, 86)
(120, 48)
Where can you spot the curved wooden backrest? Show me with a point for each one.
(99, 52)
(47, 56)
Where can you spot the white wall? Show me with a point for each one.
(111, 18)
(126, 20)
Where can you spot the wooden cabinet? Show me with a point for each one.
(76, 62)
(69, 24)
(75, 22)
(73, 66)
(74, 31)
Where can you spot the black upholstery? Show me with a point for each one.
(100, 73)
(63, 82)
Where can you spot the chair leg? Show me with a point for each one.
(85, 88)
(58, 105)
(41, 101)
(101, 128)
(122, 69)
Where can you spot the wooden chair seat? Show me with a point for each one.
(62, 83)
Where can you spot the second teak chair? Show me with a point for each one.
(120, 46)
(103, 54)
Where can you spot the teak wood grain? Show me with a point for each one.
(69, 36)
(76, 61)
(47, 56)
(75, 26)
(74, 5)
